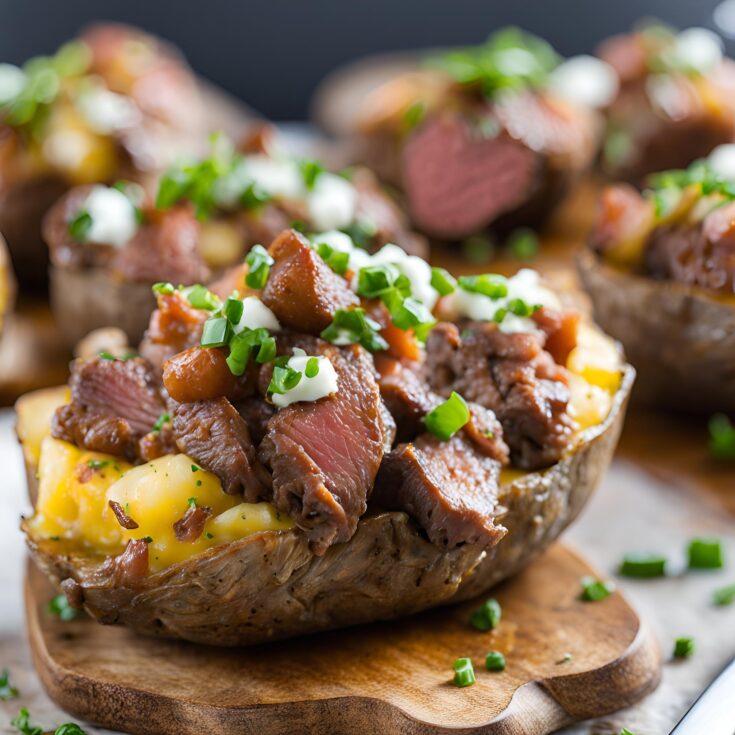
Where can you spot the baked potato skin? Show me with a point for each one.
(91, 298)
(681, 339)
(270, 586)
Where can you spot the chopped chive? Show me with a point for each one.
(192, 502)
(164, 418)
(148, 539)
(443, 281)
(80, 226)
(464, 673)
(163, 288)
(310, 172)
(194, 468)
(643, 565)
(724, 595)
(216, 332)
(200, 297)
(7, 690)
(594, 590)
(337, 260)
(495, 661)
(209, 535)
(705, 553)
(487, 616)
(259, 265)
(60, 607)
(98, 464)
(492, 285)
(284, 379)
(721, 437)
(312, 367)
(69, 728)
(233, 309)
(267, 351)
(446, 419)
(683, 647)
(523, 244)
(351, 326)
(565, 659)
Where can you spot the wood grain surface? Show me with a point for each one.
(393, 677)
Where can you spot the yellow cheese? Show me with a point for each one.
(596, 359)
(75, 487)
(71, 502)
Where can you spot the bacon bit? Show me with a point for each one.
(258, 139)
(84, 473)
(73, 591)
(122, 517)
(175, 321)
(561, 329)
(191, 525)
(198, 374)
(132, 565)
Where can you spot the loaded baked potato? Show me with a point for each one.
(675, 102)
(660, 269)
(116, 103)
(492, 135)
(292, 458)
(109, 245)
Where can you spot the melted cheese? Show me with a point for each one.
(73, 504)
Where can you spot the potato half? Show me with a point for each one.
(269, 585)
(680, 338)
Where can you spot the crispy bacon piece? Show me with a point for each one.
(122, 517)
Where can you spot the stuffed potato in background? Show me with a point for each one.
(115, 103)
(486, 136)
(676, 100)
(109, 245)
(286, 458)
(660, 270)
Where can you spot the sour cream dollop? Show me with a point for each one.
(585, 81)
(722, 161)
(114, 220)
(524, 285)
(324, 383)
(256, 315)
(332, 202)
(12, 81)
(107, 112)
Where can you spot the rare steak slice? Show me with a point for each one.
(325, 454)
(448, 488)
(114, 404)
(302, 290)
(215, 435)
(512, 375)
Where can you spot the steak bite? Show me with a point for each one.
(215, 435)
(114, 404)
(302, 290)
(512, 375)
(325, 454)
(450, 490)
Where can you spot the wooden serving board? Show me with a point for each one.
(392, 677)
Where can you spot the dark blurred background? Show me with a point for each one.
(273, 53)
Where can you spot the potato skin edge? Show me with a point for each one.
(388, 569)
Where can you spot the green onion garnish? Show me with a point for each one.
(284, 379)
(446, 419)
(643, 565)
(683, 647)
(724, 595)
(492, 285)
(361, 232)
(60, 607)
(464, 673)
(310, 171)
(233, 309)
(523, 244)
(312, 367)
(7, 690)
(721, 437)
(337, 260)
(705, 553)
(259, 266)
(163, 288)
(487, 616)
(216, 332)
(353, 326)
(594, 590)
(164, 418)
(495, 661)
(192, 502)
(200, 297)
(443, 281)
(80, 226)
(98, 464)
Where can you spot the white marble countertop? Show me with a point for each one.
(629, 512)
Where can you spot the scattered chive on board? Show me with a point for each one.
(643, 566)
(464, 672)
(683, 647)
(495, 661)
(487, 616)
(724, 595)
(705, 553)
(594, 590)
